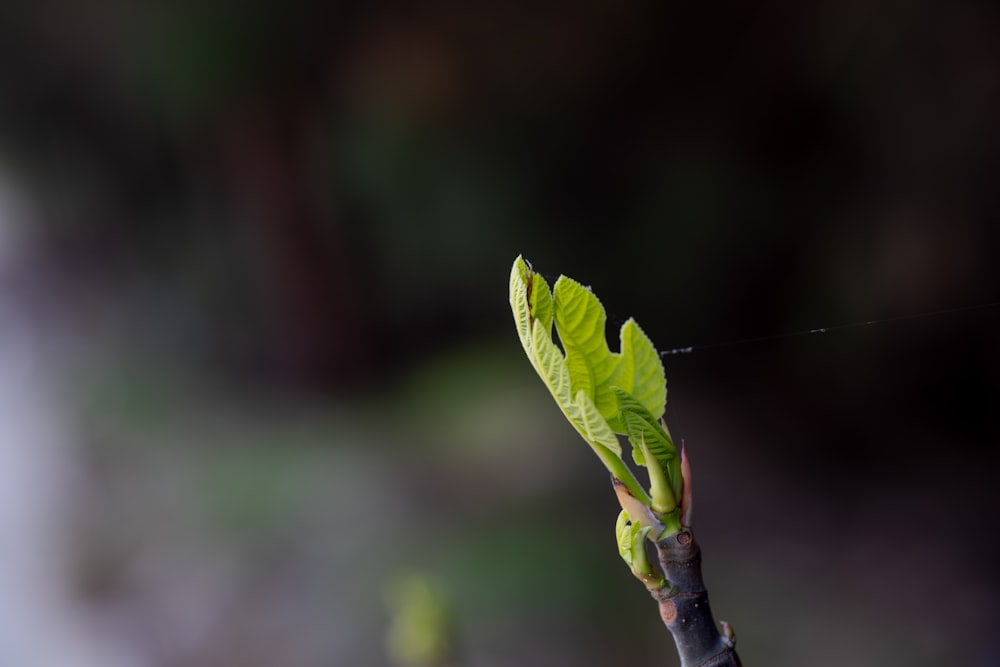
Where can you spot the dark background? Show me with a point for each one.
(264, 251)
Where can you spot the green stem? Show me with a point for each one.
(659, 488)
(621, 472)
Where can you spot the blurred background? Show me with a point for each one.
(257, 362)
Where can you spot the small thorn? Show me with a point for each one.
(686, 490)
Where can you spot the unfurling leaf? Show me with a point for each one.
(623, 533)
(533, 308)
(642, 427)
(581, 322)
(631, 539)
(602, 393)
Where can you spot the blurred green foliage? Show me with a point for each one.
(421, 633)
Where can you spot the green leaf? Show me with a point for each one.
(631, 538)
(630, 548)
(533, 309)
(623, 533)
(595, 427)
(581, 322)
(530, 300)
(640, 370)
(602, 393)
(653, 448)
(642, 428)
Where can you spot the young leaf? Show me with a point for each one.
(530, 300)
(643, 427)
(623, 532)
(631, 539)
(640, 370)
(533, 309)
(653, 448)
(595, 427)
(581, 321)
(640, 562)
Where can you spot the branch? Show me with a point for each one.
(684, 606)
